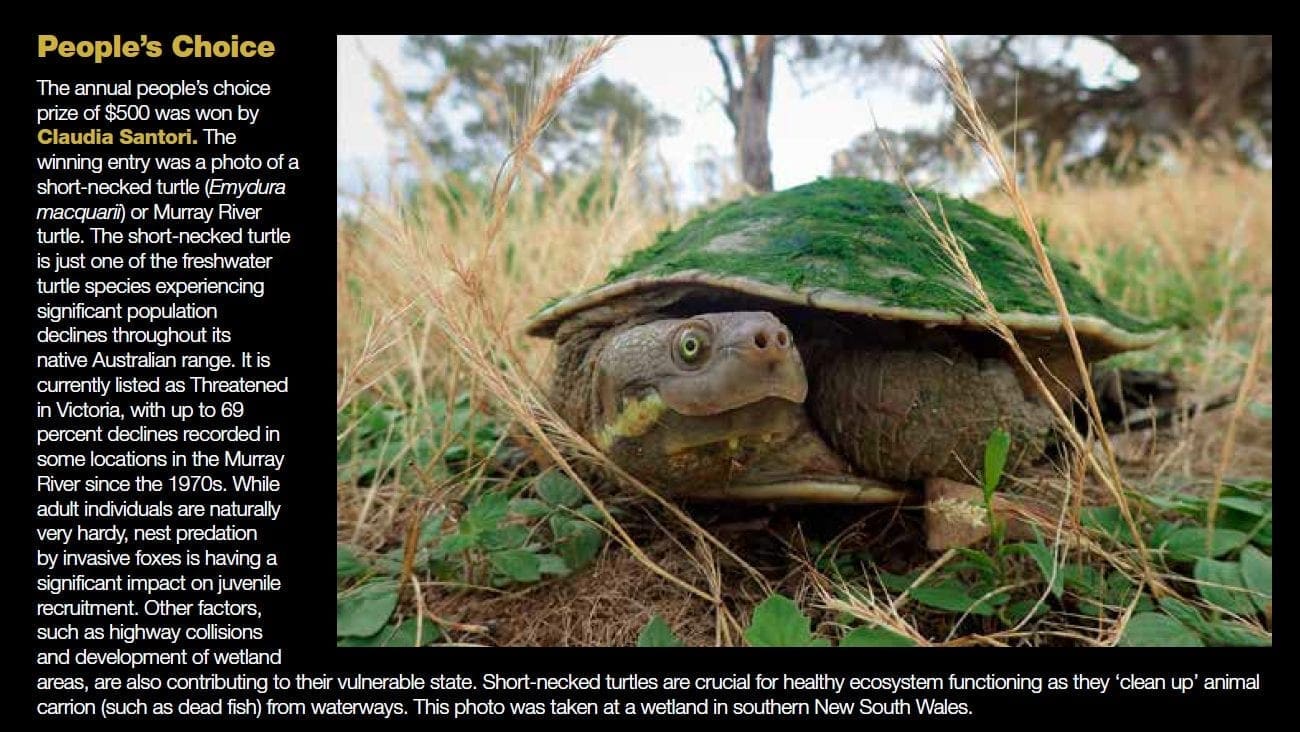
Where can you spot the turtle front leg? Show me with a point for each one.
(802, 468)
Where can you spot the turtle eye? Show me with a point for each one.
(692, 345)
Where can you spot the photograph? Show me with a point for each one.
(785, 340)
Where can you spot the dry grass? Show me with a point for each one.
(435, 284)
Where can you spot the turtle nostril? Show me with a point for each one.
(782, 339)
(760, 339)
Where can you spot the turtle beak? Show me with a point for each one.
(755, 359)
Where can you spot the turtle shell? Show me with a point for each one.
(862, 247)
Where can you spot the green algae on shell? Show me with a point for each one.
(859, 246)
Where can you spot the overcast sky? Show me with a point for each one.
(679, 75)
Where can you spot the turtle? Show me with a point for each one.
(818, 345)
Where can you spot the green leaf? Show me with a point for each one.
(486, 513)
(1119, 589)
(558, 490)
(552, 564)
(1220, 632)
(1161, 532)
(1260, 487)
(778, 621)
(396, 636)
(510, 536)
(1157, 629)
(390, 562)
(1085, 580)
(657, 634)
(363, 610)
(591, 512)
(1091, 607)
(1108, 520)
(431, 528)
(1183, 613)
(1263, 411)
(378, 418)
(391, 455)
(1228, 633)
(897, 582)
(951, 596)
(994, 596)
(529, 508)
(1189, 505)
(1257, 573)
(1222, 586)
(576, 541)
(876, 637)
(953, 567)
(445, 570)
(995, 459)
(519, 565)
(1252, 506)
(455, 544)
(1264, 536)
(1258, 528)
(977, 560)
(346, 563)
(1188, 543)
(1016, 611)
(1042, 556)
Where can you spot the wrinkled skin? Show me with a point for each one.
(711, 400)
(723, 405)
(910, 415)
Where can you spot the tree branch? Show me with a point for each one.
(729, 104)
(722, 61)
(1004, 46)
(742, 57)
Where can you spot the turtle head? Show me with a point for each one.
(685, 400)
(705, 365)
(702, 366)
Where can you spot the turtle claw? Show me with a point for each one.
(955, 515)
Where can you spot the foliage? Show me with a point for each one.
(385, 442)
(1233, 594)
(497, 541)
(1215, 88)
(492, 78)
(657, 634)
(1230, 573)
(1224, 577)
(779, 622)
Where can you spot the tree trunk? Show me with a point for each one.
(755, 106)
